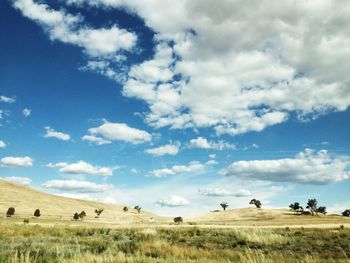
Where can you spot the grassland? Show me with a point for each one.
(237, 235)
(33, 243)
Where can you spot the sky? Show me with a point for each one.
(177, 106)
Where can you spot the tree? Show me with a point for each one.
(296, 207)
(125, 209)
(138, 208)
(224, 205)
(178, 220)
(82, 215)
(312, 206)
(321, 209)
(37, 213)
(76, 216)
(346, 212)
(255, 202)
(10, 212)
(98, 212)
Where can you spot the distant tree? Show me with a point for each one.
(76, 216)
(255, 202)
(178, 220)
(224, 205)
(138, 208)
(312, 206)
(37, 213)
(322, 210)
(296, 207)
(125, 209)
(98, 212)
(10, 212)
(82, 215)
(346, 212)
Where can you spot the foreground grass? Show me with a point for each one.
(32, 243)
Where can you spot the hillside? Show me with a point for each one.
(266, 217)
(25, 200)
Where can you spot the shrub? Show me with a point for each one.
(98, 212)
(125, 209)
(26, 221)
(10, 212)
(255, 202)
(321, 209)
(138, 208)
(76, 216)
(37, 213)
(82, 215)
(296, 207)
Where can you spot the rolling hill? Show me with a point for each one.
(56, 208)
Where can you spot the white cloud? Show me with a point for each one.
(2, 144)
(18, 180)
(215, 192)
(203, 143)
(177, 169)
(82, 167)
(120, 132)
(6, 99)
(77, 186)
(95, 140)
(173, 201)
(17, 161)
(51, 133)
(212, 156)
(308, 167)
(68, 28)
(240, 82)
(171, 149)
(134, 171)
(26, 112)
(242, 193)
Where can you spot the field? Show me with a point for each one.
(237, 235)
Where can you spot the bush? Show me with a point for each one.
(37, 213)
(178, 220)
(26, 221)
(125, 209)
(76, 216)
(346, 212)
(10, 212)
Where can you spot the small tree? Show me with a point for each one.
(138, 208)
(296, 207)
(178, 220)
(10, 212)
(312, 206)
(82, 215)
(224, 205)
(76, 216)
(37, 213)
(346, 212)
(322, 210)
(98, 212)
(255, 202)
(125, 209)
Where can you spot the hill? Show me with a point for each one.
(56, 208)
(266, 217)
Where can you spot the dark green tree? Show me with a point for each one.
(37, 213)
(224, 205)
(10, 212)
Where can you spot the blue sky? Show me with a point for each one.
(177, 109)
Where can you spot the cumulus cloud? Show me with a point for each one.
(173, 201)
(71, 29)
(26, 112)
(307, 167)
(177, 169)
(203, 143)
(82, 167)
(242, 193)
(6, 99)
(213, 75)
(95, 140)
(51, 133)
(171, 149)
(16, 161)
(2, 144)
(77, 186)
(120, 132)
(18, 180)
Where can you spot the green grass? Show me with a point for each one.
(32, 243)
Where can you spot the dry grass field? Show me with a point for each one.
(238, 235)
